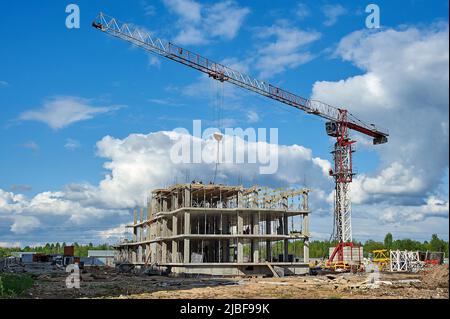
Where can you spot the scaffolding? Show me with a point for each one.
(405, 261)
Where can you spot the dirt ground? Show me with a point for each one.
(108, 283)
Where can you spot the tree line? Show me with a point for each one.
(317, 248)
(56, 248)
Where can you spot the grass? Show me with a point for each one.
(12, 286)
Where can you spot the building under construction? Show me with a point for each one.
(221, 230)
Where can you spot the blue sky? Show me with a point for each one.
(115, 90)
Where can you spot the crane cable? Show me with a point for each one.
(218, 136)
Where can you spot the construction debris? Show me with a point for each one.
(436, 276)
(110, 283)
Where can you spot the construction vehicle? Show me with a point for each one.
(339, 120)
(381, 259)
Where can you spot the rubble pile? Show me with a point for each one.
(436, 276)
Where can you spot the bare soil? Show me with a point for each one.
(108, 283)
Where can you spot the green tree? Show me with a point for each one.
(388, 240)
(437, 244)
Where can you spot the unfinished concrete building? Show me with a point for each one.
(221, 230)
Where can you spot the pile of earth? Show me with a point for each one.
(436, 276)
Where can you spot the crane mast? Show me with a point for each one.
(339, 120)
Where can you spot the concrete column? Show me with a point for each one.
(187, 251)
(163, 252)
(255, 242)
(141, 229)
(187, 223)
(134, 225)
(149, 212)
(268, 243)
(240, 244)
(164, 228)
(175, 251)
(306, 250)
(148, 254)
(174, 242)
(153, 207)
(187, 231)
(240, 251)
(240, 223)
(158, 252)
(286, 242)
(305, 225)
(134, 255)
(187, 197)
(174, 225)
(175, 201)
(240, 198)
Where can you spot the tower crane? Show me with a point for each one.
(338, 120)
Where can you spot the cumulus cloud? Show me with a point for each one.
(24, 224)
(332, 13)
(199, 24)
(433, 207)
(115, 233)
(142, 162)
(61, 111)
(282, 48)
(404, 87)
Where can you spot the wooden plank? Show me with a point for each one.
(275, 274)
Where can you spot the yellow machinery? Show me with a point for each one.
(381, 258)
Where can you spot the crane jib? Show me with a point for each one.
(217, 71)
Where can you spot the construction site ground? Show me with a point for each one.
(101, 282)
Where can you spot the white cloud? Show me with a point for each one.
(4, 83)
(302, 11)
(7, 244)
(283, 48)
(199, 24)
(252, 117)
(191, 35)
(24, 224)
(137, 164)
(115, 233)
(188, 10)
(154, 61)
(433, 207)
(61, 111)
(404, 87)
(71, 144)
(149, 10)
(332, 13)
(32, 145)
(224, 19)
